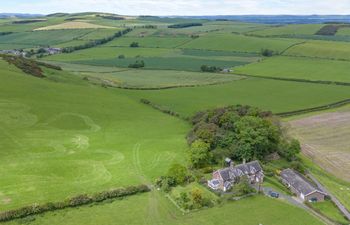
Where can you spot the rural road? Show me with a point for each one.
(297, 203)
(334, 199)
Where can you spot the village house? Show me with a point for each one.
(300, 186)
(224, 179)
(53, 51)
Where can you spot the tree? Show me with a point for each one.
(289, 149)
(255, 138)
(179, 173)
(242, 187)
(267, 52)
(134, 45)
(200, 153)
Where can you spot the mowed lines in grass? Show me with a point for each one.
(299, 68)
(81, 144)
(274, 95)
(152, 208)
(325, 138)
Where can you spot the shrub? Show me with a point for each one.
(121, 56)
(134, 45)
(267, 52)
(184, 25)
(137, 64)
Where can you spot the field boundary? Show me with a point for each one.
(315, 109)
(72, 202)
(163, 110)
(296, 80)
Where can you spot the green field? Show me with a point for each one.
(157, 78)
(238, 43)
(277, 96)
(321, 49)
(151, 208)
(294, 29)
(150, 42)
(299, 68)
(54, 144)
(344, 31)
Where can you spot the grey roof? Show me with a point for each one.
(231, 173)
(298, 182)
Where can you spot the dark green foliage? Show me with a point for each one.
(96, 42)
(71, 202)
(242, 187)
(238, 132)
(111, 17)
(331, 29)
(184, 25)
(5, 33)
(211, 69)
(178, 173)
(137, 64)
(121, 56)
(28, 21)
(27, 66)
(134, 45)
(267, 52)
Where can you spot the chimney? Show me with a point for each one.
(244, 161)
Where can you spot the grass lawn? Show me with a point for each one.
(299, 68)
(239, 43)
(157, 78)
(278, 96)
(64, 138)
(153, 208)
(331, 211)
(321, 49)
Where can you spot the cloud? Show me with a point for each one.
(182, 7)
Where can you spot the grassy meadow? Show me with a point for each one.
(152, 208)
(299, 68)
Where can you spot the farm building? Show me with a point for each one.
(300, 186)
(223, 179)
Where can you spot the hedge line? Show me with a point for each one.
(75, 201)
(166, 111)
(314, 109)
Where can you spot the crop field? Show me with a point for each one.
(343, 31)
(155, 209)
(299, 68)
(294, 29)
(321, 49)
(51, 151)
(73, 25)
(277, 96)
(325, 139)
(42, 38)
(152, 42)
(157, 78)
(239, 43)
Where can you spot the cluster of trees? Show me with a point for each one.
(28, 21)
(268, 52)
(27, 66)
(331, 29)
(242, 187)
(96, 42)
(72, 202)
(134, 45)
(137, 64)
(176, 175)
(210, 69)
(238, 132)
(195, 199)
(184, 25)
(111, 17)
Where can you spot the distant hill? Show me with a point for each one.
(19, 15)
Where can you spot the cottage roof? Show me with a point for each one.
(298, 182)
(231, 173)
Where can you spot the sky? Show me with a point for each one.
(180, 7)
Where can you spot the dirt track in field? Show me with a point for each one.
(326, 139)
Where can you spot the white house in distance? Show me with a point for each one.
(224, 179)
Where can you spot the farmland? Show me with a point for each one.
(299, 68)
(104, 120)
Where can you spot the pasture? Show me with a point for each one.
(293, 29)
(152, 208)
(239, 43)
(54, 144)
(157, 78)
(151, 42)
(277, 96)
(321, 49)
(299, 68)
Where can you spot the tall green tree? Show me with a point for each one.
(200, 154)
